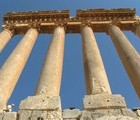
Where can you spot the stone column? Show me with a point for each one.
(96, 78)
(137, 32)
(50, 79)
(5, 36)
(12, 68)
(129, 56)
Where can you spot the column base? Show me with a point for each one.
(103, 101)
(40, 107)
(106, 107)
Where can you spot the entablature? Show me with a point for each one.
(98, 19)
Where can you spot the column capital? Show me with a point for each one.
(85, 23)
(61, 24)
(113, 24)
(136, 28)
(35, 25)
(110, 26)
(135, 25)
(10, 28)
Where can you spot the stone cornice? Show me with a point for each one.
(46, 21)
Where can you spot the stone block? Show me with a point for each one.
(128, 112)
(102, 112)
(1, 115)
(138, 113)
(41, 102)
(24, 114)
(36, 115)
(104, 101)
(116, 118)
(74, 113)
(10, 116)
(70, 119)
(86, 115)
(98, 114)
(40, 115)
(44, 115)
(54, 115)
(114, 112)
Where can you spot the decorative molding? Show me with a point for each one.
(46, 21)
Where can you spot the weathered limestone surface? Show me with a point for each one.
(41, 102)
(71, 119)
(35, 115)
(24, 114)
(106, 114)
(40, 115)
(71, 114)
(41, 107)
(1, 115)
(129, 56)
(74, 114)
(8, 116)
(128, 112)
(137, 32)
(116, 118)
(5, 36)
(50, 79)
(96, 78)
(138, 113)
(93, 102)
(12, 68)
(99, 104)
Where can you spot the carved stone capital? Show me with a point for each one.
(35, 25)
(113, 24)
(61, 24)
(10, 28)
(85, 23)
(110, 25)
(135, 25)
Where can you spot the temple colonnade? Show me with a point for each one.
(50, 78)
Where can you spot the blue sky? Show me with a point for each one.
(73, 84)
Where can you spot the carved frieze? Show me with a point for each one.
(46, 21)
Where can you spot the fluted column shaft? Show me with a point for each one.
(128, 55)
(5, 36)
(137, 32)
(12, 68)
(95, 75)
(50, 78)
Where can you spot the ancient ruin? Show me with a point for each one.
(99, 102)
